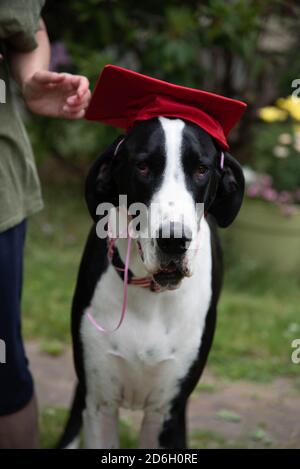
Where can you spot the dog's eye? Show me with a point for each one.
(200, 171)
(143, 168)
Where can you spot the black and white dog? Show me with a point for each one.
(154, 361)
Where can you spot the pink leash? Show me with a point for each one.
(222, 160)
(125, 295)
(125, 290)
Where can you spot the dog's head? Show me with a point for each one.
(173, 168)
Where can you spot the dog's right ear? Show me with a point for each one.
(230, 192)
(99, 185)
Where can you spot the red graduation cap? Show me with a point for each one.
(122, 97)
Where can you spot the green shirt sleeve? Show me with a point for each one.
(19, 20)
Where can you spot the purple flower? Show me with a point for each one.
(59, 56)
(269, 194)
(253, 191)
(284, 197)
(263, 188)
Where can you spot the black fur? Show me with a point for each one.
(93, 264)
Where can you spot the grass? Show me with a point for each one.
(52, 422)
(258, 315)
(212, 440)
(257, 321)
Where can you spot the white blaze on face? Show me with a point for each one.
(172, 202)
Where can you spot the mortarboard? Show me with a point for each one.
(122, 97)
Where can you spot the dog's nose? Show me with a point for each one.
(174, 238)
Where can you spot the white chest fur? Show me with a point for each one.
(141, 364)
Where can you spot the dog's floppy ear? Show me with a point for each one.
(230, 192)
(99, 185)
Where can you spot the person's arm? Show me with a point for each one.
(24, 64)
(48, 93)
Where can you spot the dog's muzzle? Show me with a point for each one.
(173, 240)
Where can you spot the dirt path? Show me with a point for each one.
(221, 414)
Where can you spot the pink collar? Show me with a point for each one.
(128, 278)
(116, 261)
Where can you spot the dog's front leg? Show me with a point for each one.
(150, 430)
(100, 427)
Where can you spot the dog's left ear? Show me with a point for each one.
(230, 192)
(99, 185)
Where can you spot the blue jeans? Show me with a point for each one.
(16, 383)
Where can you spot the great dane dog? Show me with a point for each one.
(155, 359)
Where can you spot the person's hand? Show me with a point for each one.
(57, 94)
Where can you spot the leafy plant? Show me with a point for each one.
(276, 151)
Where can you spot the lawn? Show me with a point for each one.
(258, 315)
